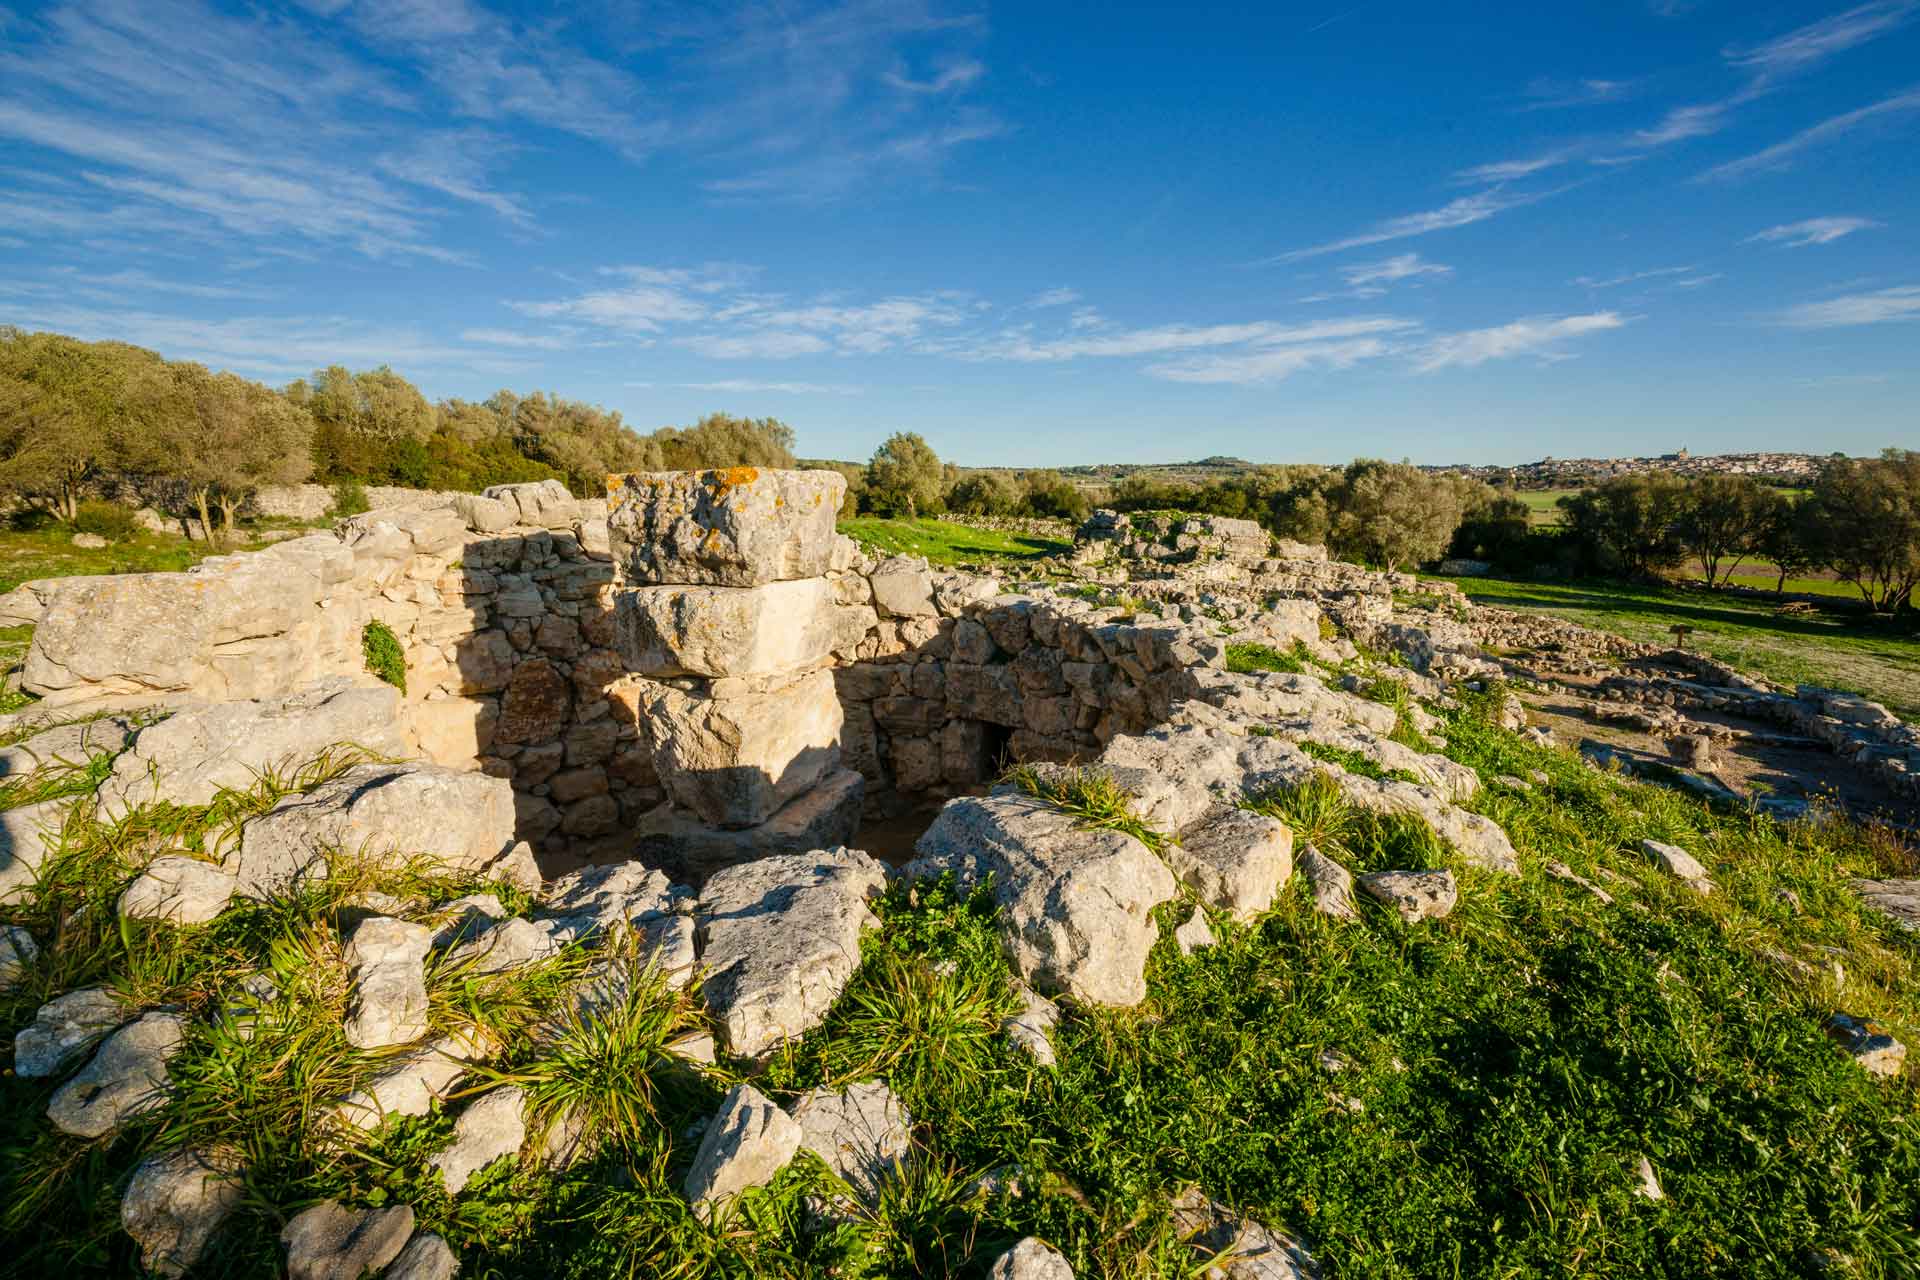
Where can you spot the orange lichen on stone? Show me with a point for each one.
(728, 478)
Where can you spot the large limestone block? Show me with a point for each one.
(726, 631)
(187, 758)
(1076, 904)
(120, 634)
(825, 816)
(462, 821)
(739, 527)
(27, 835)
(543, 503)
(783, 938)
(1235, 859)
(735, 760)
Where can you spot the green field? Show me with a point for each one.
(1542, 505)
(943, 542)
(1855, 652)
(48, 552)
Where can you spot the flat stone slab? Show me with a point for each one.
(387, 982)
(1678, 863)
(127, 1077)
(410, 1084)
(782, 939)
(1898, 900)
(737, 527)
(862, 1133)
(178, 889)
(492, 1127)
(332, 1242)
(65, 746)
(1413, 895)
(65, 1027)
(725, 631)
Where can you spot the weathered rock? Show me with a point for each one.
(1646, 1182)
(64, 1028)
(1032, 1028)
(586, 903)
(825, 816)
(1331, 883)
(736, 760)
(412, 1082)
(27, 835)
(1868, 1044)
(18, 951)
(1031, 1260)
(511, 944)
(67, 746)
(782, 938)
(179, 890)
(1234, 859)
(467, 917)
(176, 1203)
(1898, 900)
(746, 1144)
(862, 1134)
(386, 973)
(187, 758)
(332, 1242)
(775, 629)
(1413, 895)
(739, 527)
(126, 1078)
(1075, 903)
(903, 588)
(1561, 871)
(1679, 864)
(517, 867)
(1194, 934)
(493, 1126)
(119, 634)
(1246, 1250)
(426, 1257)
(458, 820)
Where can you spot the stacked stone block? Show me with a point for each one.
(722, 607)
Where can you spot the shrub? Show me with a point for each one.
(349, 499)
(385, 657)
(109, 520)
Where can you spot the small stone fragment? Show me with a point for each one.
(1332, 885)
(746, 1144)
(18, 951)
(1032, 1027)
(175, 1204)
(1246, 1250)
(332, 1242)
(1031, 1260)
(517, 867)
(1870, 1046)
(1646, 1184)
(127, 1078)
(178, 890)
(1561, 871)
(862, 1133)
(64, 1027)
(1194, 934)
(426, 1257)
(513, 943)
(386, 965)
(493, 1125)
(467, 916)
(1679, 864)
(1414, 895)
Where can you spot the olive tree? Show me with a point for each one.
(904, 477)
(226, 438)
(1865, 523)
(1722, 522)
(1394, 514)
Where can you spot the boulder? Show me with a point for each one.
(775, 629)
(18, 951)
(27, 835)
(65, 746)
(746, 1144)
(583, 904)
(457, 820)
(64, 1028)
(410, 1084)
(1678, 863)
(178, 889)
(332, 1242)
(493, 1126)
(484, 514)
(1413, 895)
(862, 1134)
(426, 1257)
(735, 760)
(176, 1203)
(903, 588)
(1031, 1260)
(189, 757)
(738, 527)
(127, 1077)
(1076, 904)
(540, 503)
(782, 939)
(120, 634)
(825, 816)
(1331, 884)
(386, 982)
(1234, 859)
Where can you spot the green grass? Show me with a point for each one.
(1495, 1075)
(1543, 509)
(48, 552)
(1249, 658)
(384, 655)
(1877, 657)
(945, 542)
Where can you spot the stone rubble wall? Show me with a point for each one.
(291, 501)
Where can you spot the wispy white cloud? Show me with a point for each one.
(115, 285)
(1462, 212)
(771, 344)
(1796, 235)
(1680, 123)
(1509, 170)
(1781, 155)
(1538, 336)
(1808, 46)
(1548, 94)
(1052, 298)
(513, 338)
(1631, 277)
(1253, 368)
(956, 76)
(1882, 306)
(1404, 266)
(1023, 347)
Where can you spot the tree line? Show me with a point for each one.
(73, 412)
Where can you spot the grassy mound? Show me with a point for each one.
(1469, 1096)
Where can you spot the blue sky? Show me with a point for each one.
(1038, 234)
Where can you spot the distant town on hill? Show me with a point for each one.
(1547, 473)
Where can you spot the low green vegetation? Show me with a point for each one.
(1250, 658)
(945, 542)
(384, 656)
(44, 549)
(1468, 1096)
(1878, 657)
